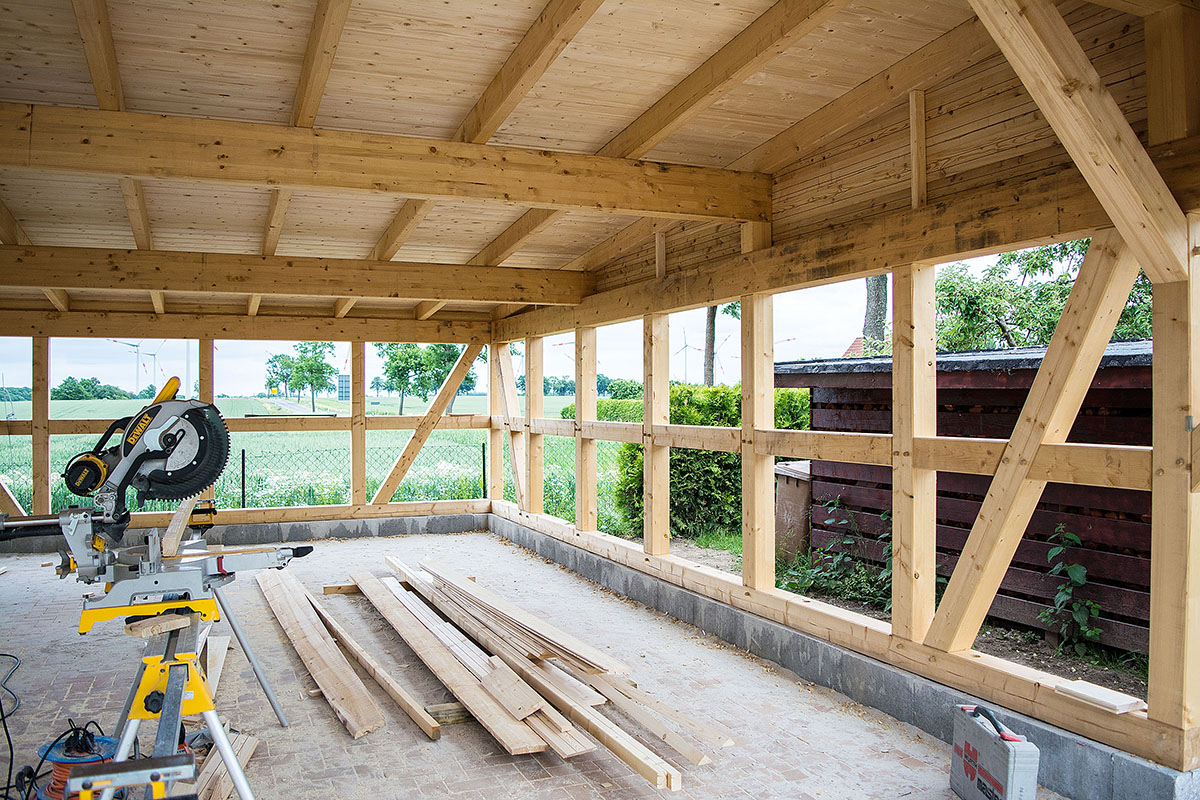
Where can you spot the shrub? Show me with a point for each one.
(611, 410)
(706, 487)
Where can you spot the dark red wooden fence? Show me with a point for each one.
(980, 395)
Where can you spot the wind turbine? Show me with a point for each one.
(685, 359)
(137, 363)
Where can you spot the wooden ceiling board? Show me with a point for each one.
(417, 68)
(860, 41)
(334, 225)
(455, 230)
(205, 218)
(570, 236)
(623, 61)
(210, 58)
(67, 210)
(43, 59)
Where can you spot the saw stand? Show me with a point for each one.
(169, 686)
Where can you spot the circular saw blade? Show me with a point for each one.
(210, 440)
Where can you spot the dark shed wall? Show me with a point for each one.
(980, 395)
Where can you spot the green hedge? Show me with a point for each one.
(706, 487)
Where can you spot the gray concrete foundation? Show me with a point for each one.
(1070, 764)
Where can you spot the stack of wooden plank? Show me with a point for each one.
(535, 669)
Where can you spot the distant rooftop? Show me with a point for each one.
(1117, 354)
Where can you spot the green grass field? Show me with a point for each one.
(313, 468)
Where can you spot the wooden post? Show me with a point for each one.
(41, 425)
(656, 459)
(358, 423)
(916, 134)
(758, 411)
(585, 410)
(206, 391)
(1172, 72)
(495, 455)
(914, 414)
(535, 408)
(516, 434)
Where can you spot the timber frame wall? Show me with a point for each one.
(1139, 206)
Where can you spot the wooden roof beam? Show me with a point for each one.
(775, 31)
(95, 29)
(549, 35)
(328, 21)
(1051, 206)
(1144, 8)
(225, 273)
(91, 324)
(1052, 65)
(124, 144)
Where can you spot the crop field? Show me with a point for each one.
(313, 468)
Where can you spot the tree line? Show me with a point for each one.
(73, 388)
(561, 385)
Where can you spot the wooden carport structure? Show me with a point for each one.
(482, 173)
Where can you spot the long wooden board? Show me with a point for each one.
(513, 735)
(333, 674)
(412, 707)
(555, 640)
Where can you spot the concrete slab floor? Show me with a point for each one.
(794, 740)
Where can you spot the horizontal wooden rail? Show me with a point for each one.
(699, 437)
(856, 448)
(271, 424)
(630, 432)
(250, 516)
(1020, 688)
(550, 427)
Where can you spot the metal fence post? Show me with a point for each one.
(243, 477)
(483, 470)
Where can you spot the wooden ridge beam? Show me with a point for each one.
(773, 32)
(1100, 292)
(264, 327)
(1005, 216)
(1052, 65)
(126, 144)
(445, 394)
(236, 274)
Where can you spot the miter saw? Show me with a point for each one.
(170, 450)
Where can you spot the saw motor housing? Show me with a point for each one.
(170, 450)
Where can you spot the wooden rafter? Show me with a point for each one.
(427, 308)
(549, 35)
(227, 273)
(252, 304)
(329, 19)
(1100, 293)
(95, 29)
(949, 54)
(1004, 216)
(342, 306)
(450, 388)
(11, 231)
(1144, 8)
(58, 298)
(512, 423)
(161, 147)
(778, 28)
(87, 324)
(157, 300)
(1058, 75)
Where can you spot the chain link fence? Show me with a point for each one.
(559, 488)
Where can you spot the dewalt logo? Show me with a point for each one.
(135, 433)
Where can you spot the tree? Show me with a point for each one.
(602, 384)
(87, 389)
(624, 389)
(1018, 301)
(439, 360)
(279, 372)
(377, 385)
(710, 335)
(148, 393)
(312, 371)
(403, 366)
(521, 384)
(876, 314)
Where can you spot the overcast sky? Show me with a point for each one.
(812, 323)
